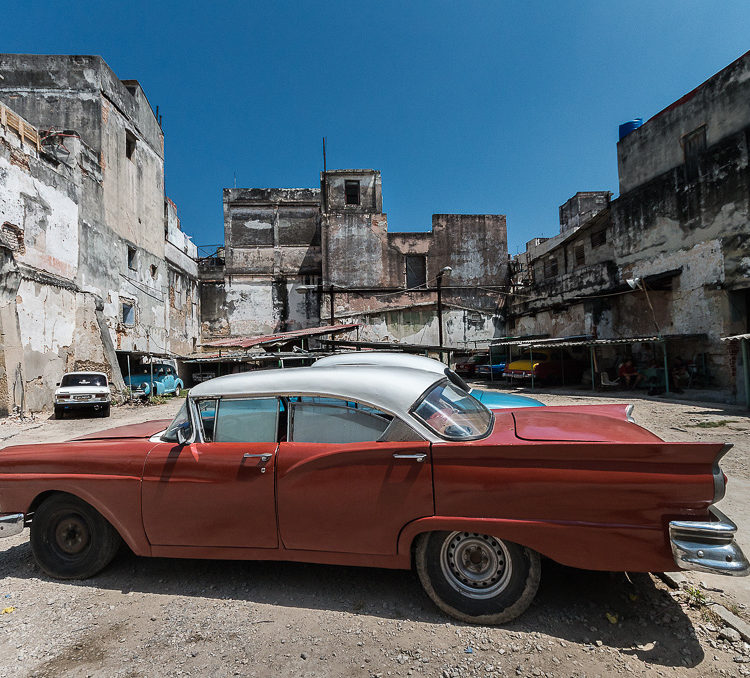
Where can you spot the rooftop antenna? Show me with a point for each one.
(324, 154)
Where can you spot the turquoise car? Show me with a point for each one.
(165, 381)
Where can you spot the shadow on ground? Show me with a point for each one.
(577, 606)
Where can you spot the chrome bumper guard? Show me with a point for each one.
(11, 524)
(708, 546)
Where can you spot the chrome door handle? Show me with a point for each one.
(421, 456)
(263, 457)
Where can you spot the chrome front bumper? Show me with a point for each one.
(708, 546)
(11, 524)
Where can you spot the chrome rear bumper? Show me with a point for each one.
(11, 524)
(708, 546)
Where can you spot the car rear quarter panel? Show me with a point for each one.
(104, 473)
(595, 505)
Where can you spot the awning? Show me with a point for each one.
(590, 341)
(281, 337)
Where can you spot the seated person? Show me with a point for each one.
(680, 375)
(629, 375)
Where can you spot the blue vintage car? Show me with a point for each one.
(165, 381)
(494, 400)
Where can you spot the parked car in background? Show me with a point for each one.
(547, 366)
(487, 371)
(379, 467)
(83, 391)
(159, 381)
(467, 367)
(491, 399)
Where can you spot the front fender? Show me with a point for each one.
(122, 509)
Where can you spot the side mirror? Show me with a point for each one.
(184, 433)
(57, 384)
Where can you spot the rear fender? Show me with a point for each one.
(590, 546)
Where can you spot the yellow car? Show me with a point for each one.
(546, 366)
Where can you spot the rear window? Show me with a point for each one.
(84, 380)
(452, 413)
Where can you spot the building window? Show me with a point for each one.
(351, 191)
(129, 145)
(132, 258)
(693, 145)
(154, 271)
(128, 313)
(599, 237)
(580, 255)
(416, 270)
(550, 267)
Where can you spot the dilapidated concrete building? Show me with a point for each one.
(294, 257)
(95, 266)
(680, 228)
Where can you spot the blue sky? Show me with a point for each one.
(466, 107)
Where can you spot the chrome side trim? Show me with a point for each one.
(11, 524)
(708, 546)
(629, 414)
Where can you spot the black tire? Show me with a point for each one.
(493, 589)
(70, 539)
(59, 412)
(105, 410)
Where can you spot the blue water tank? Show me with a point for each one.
(627, 127)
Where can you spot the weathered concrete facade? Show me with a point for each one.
(96, 264)
(681, 225)
(295, 256)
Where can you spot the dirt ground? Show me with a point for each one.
(161, 617)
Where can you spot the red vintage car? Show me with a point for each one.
(376, 466)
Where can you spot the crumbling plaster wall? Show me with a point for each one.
(720, 104)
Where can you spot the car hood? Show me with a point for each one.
(576, 424)
(143, 430)
(81, 390)
(495, 401)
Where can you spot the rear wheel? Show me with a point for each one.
(70, 539)
(59, 412)
(477, 578)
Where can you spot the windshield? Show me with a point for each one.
(84, 380)
(170, 435)
(452, 413)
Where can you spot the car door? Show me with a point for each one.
(343, 485)
(218, 492)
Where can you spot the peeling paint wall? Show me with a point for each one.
(681, 225)
(94, 230)
(290, 252)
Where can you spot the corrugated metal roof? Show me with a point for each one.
(736, 337)
(574, 341)
(281, 337)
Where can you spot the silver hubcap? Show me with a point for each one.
(476, 565)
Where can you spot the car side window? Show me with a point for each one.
(330, 420)
(251, 420)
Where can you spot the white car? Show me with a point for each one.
(83, 390)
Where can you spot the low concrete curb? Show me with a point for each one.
(675, 579)
(730, 619)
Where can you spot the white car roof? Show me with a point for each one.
(385, 358)
(393, 389)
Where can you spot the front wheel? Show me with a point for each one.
(70, 539)
(477, 578)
